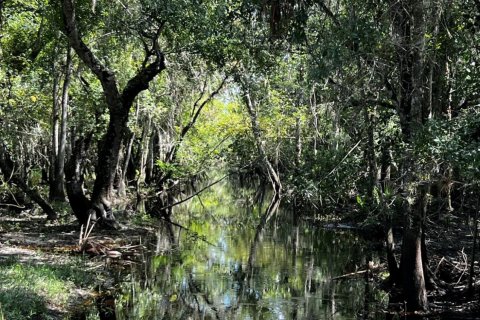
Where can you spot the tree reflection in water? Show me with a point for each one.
(229, 266)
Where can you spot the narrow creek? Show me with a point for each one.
(237, 262)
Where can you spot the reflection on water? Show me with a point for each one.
(243, 262)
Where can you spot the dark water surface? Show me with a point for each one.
(234, 263)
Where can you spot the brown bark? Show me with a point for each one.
(119, 104)
(74, 173)
(150, 165)
(412, 271)
(123, 167)
(143, 150)
(409, 37)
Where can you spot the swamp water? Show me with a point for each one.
(235, 262)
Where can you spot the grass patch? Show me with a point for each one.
(28, 290)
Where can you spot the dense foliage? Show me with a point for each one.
(366, 110)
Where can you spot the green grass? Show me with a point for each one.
(27, 290)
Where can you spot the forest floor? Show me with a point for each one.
(449, 242)
(45, 267)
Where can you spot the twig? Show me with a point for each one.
(12, 205)
(349, 274)
(464, 256)
(356, 272)
(343, 159)
(438, 266)
(195, 194)
(188, 230)
(85, 232)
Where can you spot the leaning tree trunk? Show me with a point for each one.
(7, 167)
(272, 173)
(119, 104)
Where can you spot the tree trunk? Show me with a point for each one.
(313, 109)
(119, 105)
(58, 183)
(74, 173)
(122, 183)
(412, 264)
(272, 173)
(409, 37)
(109, 152)
(150, 158)
(7, 167)
(391, 259)
(370, 154)
(122, 177)
(143, 150)
(298, 145)
(385, 183)
(55, 132)
(412, 270)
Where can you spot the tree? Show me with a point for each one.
(409, 31)
(119, 104)
(59, 134)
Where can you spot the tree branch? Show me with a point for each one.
(141, 80)
(172, 153)
(329, 13)
(106, 76)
